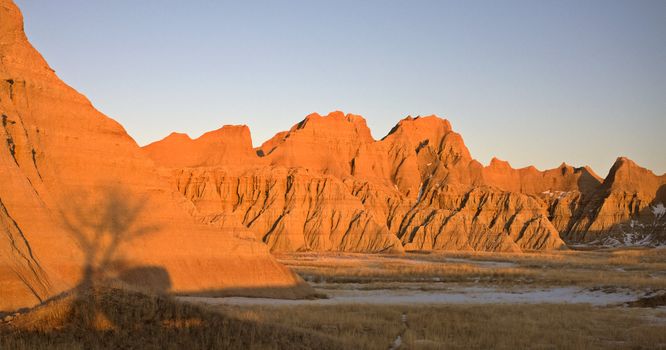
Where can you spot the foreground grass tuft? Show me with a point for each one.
(114, 318)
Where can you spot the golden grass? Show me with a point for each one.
(353, 326)
(546, 326)
(625, 268)
(111, 318)
(131, 320)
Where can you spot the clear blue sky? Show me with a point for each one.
(531, 82)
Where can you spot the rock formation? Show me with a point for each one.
(418, 188)
(291, 209)
(74, 183)
(627, 209)
(229, 145)
(327, 185)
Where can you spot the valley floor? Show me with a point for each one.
(601, 277)
(565, 299)
(601, 299)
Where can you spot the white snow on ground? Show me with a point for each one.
(558, 194)
(455, 295)
(658, 210)
(483, 263)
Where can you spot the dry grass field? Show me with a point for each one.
(130, 320)
(643, 269)
(545, 326)
(111, 317)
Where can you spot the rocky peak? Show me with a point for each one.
(11, 25)
(228, 145)
(626, 175)
(419, 129)
(321, 143)
(229, 134)
(68, 171)
(16, 52)
(498, 164)
(336, 123)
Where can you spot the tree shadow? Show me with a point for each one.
(106, 310)
(102, 226)
(141, 321)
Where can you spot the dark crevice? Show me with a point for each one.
(272, 229)
(20, 232)
(397, 170)
(239, 196)
(352, 222)
(421, 145)
(10, 139)
(30, 260)
(27, 285)
(266, 203)
(34, 162)
(11, 88)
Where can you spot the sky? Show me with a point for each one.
(530, 82)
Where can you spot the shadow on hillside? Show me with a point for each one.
(651, 219)
(645, 227)
(588, 183)
(102, 226)
(104, 311)
(660, 196)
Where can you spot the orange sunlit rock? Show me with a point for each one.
(70, 173)
(418, 188)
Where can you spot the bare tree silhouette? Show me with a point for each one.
(101, 226)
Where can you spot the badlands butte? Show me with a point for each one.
(200, 217)
(73, 181)
(327, 185)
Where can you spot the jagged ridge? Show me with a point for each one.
(419, 183)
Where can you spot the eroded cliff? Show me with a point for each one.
(77, 191)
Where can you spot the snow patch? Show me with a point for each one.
(658, 210)
(396, 343)
(453, 295)
(556, 194)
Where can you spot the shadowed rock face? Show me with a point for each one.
(61, 160)
(417, 188)
(628, 208)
